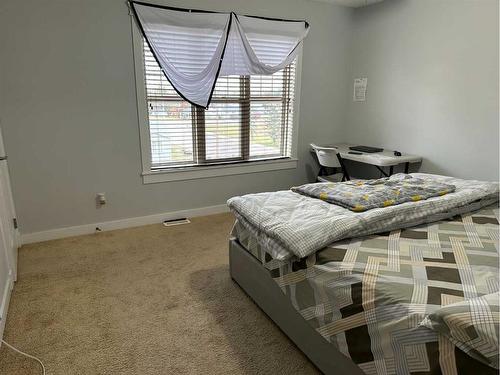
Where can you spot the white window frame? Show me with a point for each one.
(151, 176)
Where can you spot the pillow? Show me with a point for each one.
(472, 325)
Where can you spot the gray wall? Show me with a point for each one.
(68, 109)
(432, 68)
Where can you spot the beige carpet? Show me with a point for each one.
(147, 300)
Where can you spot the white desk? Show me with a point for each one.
(384, 158)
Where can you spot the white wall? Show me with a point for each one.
(69, 115)
(432, 68)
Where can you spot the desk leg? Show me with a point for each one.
(391, 170)
(345, 174)
(382, 171)
(407, 167)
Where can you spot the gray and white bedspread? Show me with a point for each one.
(288, 224)
(368, 296)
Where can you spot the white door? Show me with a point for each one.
(6, 283)
(8, 222)
(8, 240)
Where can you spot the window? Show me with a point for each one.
(250, 119)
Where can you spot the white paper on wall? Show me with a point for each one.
(360, 89)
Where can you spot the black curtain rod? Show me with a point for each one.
(210, 11)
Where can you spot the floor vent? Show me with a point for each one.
(170, 223)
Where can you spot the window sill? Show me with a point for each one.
(192, 173)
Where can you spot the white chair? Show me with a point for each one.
(329, 158)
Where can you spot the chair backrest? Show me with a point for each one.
(327, 156)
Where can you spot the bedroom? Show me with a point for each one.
(102, 284)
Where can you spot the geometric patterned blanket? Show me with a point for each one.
(367, 296)
(472, 325)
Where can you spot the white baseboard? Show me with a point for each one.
(4, 303)
(119, 224)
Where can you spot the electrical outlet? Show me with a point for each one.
(100, 199)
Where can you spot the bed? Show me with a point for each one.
(358, 292)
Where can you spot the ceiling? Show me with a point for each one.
(352, 3)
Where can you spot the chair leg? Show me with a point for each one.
(320, 172)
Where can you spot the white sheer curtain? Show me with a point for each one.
(194, 48)
(261, 46)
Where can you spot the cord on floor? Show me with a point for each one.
(26, 354)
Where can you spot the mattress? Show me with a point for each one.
(250, 241)
(367, 296)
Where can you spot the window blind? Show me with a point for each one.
(250, 118)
